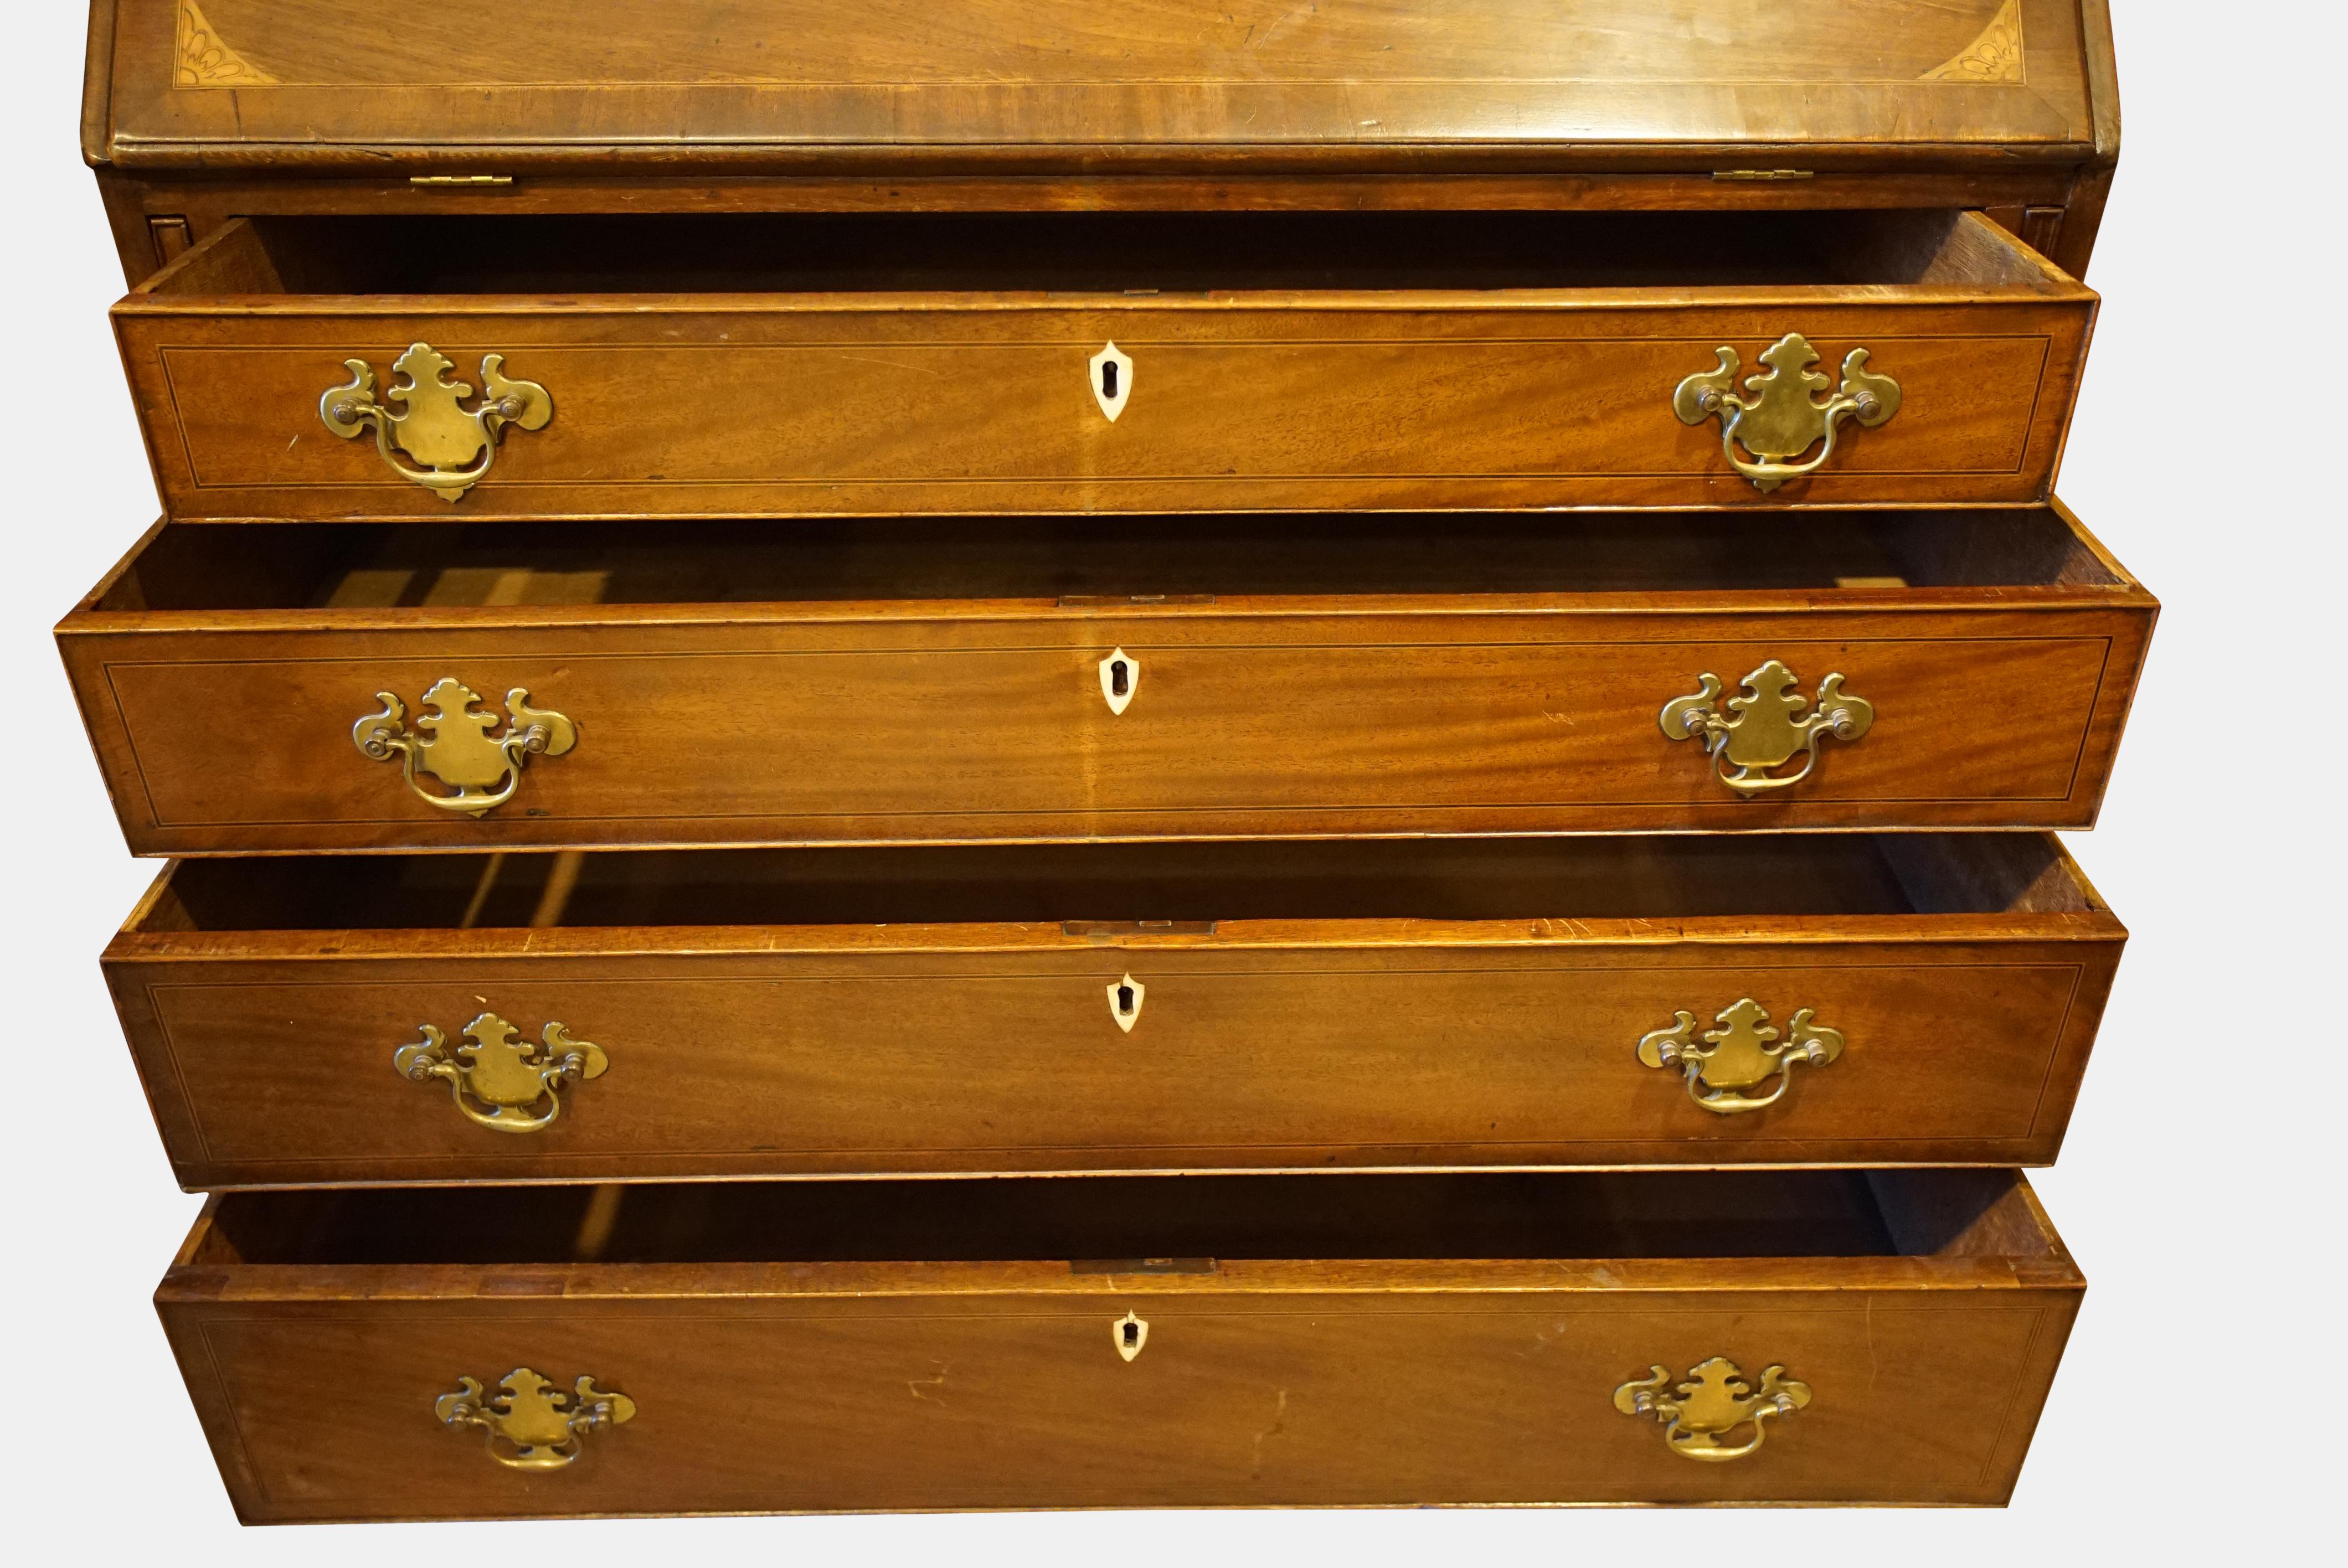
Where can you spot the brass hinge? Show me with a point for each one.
(1121, 601)
(1102, 930)
(1765, 174)
(1142, 1266)
(460, 181)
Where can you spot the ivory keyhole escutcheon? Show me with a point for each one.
(1112, 380)
(1131, 1334)
(1125, 1002)
(1121, 672)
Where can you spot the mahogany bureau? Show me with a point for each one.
(1427, 653)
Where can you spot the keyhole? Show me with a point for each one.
(1125, 997)
(1120, 673)
(1111, 384)
(1132, 1334)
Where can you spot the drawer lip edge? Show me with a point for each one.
(507, 944)
(2059, 291)
(365, 1285)
(2128, 598)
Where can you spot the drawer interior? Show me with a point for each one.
(1101, 253)
(1181, 885)
(1095, 1221)
(361, 567)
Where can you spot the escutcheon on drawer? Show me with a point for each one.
(1779, 999)
(1779, 1336)
(390, 688)
(444, 368)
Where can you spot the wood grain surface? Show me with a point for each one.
(221, 670)
(1415, 377)
(1035, 83)
(198, 112)
(1364, 1373)
(824, 551)
(1336, 1004)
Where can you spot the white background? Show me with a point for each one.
(2197, 1408)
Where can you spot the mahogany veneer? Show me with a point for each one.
(787, 367)
(1235, 792)
(889, 682)
(1300, 1006)
(1312, 1340)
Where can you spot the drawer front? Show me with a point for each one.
(325, 1411)
(1229, 724)
(995, 404)
(1180, 1058)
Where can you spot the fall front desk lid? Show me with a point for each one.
(1185, 85)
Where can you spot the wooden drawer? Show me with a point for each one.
(1116, 1008)
(949, 682)
(884, 364)
(1296, 1340)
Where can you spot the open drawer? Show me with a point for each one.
(481, 367)
(399, 687)
(1784, 999)
(1802, 1337)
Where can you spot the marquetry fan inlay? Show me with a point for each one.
(204, 60)
(1994, 57)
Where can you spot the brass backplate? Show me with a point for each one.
(1744, 1052)
(1748, 737)
(1715, 1403)
(432, 439)
(451, 742)
(529, 1422)
(1779, 415)
(498, 1080)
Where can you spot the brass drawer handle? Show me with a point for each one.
(1776, 417)
(497, 1080)
(1697, 1415)
(1769, 729)
(1739, 1054)
(455, 444)
(485, 770)
(530, 1423)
